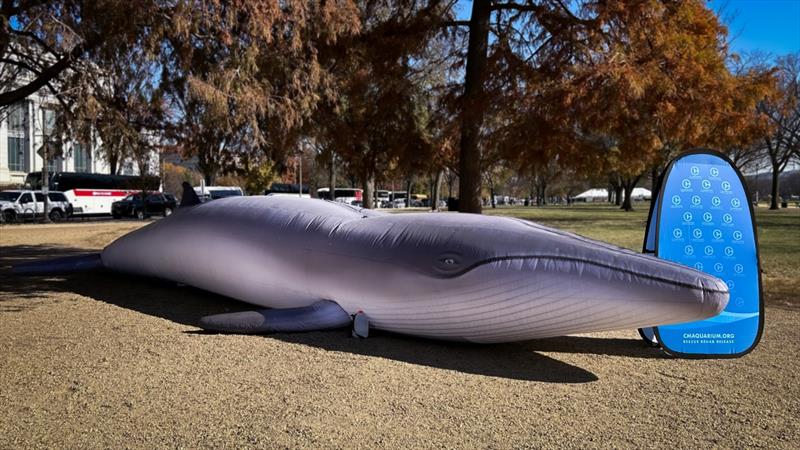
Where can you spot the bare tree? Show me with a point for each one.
(783, 110)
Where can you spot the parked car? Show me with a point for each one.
(26, 204)
(144, 204)
(419, 200)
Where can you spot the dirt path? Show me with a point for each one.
(91, 361)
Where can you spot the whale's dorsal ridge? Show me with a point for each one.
(364, 212)
(189, 196)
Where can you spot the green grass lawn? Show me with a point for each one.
(778, 236)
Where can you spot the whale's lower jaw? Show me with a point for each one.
(492, 331)
(542, 300)
(538, 323)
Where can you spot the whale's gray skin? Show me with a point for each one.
(447, 276)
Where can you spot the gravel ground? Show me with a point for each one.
(98, 361)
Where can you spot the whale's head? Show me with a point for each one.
(514, 278)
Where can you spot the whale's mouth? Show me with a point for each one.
(582, 264)
(648, 279)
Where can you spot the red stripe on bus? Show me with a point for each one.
(100, 193)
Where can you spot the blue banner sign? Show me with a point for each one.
(703, 219)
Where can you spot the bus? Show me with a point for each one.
(351, 196)
(91, 194)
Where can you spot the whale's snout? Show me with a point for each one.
(716, 296)
(663, 292)
(607, 280)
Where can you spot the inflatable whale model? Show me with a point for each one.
(316, 264)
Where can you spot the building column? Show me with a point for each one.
(35, 165)
(30, 155)
(5, 177)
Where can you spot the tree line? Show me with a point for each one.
(387, 90)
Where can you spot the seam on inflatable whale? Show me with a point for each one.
(586, 240)
(600, 244)
(364, 212)
(585, 261)
(490, 260)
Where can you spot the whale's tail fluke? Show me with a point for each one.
(189, 196)
(322, 315)
(58, 266)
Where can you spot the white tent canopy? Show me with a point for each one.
(599, 195)
(593, 195)
(641, 194)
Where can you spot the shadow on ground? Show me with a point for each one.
(185, 305)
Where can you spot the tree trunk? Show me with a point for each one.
(533, 194)
(206, 167)
(332, 178)
(450, 180)
(408, 193)
(628, 184)
(436, 192)
(113, 161)
(492, 199)
(369, 191)
(617, 195)
(776, 174)
(654, 179)
(472, 114)
(626, 204)
(542, 200)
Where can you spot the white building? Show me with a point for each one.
(23, 127)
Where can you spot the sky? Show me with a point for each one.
(771, 26)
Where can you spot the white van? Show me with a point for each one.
(382, 198)
(209, 193)
(351, 196)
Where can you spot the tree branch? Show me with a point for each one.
(35, 38)
(515, 7)
(454, 23)
(9, 9)
(7, 98)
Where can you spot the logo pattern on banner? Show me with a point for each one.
(707, 225)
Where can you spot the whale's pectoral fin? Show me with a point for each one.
(68, 264)
(360, 325)
(322, 315)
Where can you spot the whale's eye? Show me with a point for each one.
(448, 263)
